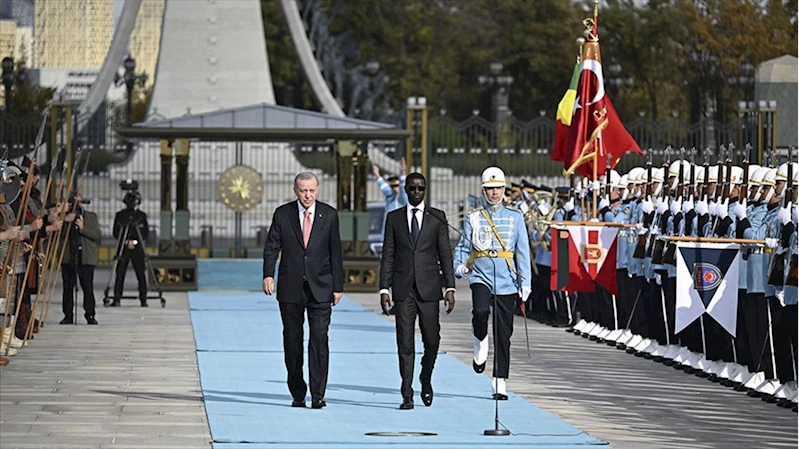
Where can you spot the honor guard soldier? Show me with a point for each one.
(496, 239)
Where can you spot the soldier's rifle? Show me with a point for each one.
(640, 247)
(656, 244)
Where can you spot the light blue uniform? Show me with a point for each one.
(757, 262)
(511, 227)
(773, 228)
(622, 215)
(393, 202)
(635, 266)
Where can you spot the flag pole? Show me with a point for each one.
(596, 150)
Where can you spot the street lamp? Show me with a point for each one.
(8, 78)
(130, 78)
(499, 84)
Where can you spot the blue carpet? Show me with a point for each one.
(247, 400)
(229, 274)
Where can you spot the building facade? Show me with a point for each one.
(71, 34)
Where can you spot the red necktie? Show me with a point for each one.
(306, 228)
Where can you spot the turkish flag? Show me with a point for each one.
(596, 130)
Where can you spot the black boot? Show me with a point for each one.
(115, 303)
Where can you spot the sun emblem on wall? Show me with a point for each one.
(241, 188)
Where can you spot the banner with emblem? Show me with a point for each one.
(582, 255)
(707, 281)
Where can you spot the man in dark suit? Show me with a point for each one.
(416, 250)
(306, 235)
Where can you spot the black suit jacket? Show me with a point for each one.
(321, 263)
(402, 263)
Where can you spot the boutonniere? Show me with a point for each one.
(320, 215)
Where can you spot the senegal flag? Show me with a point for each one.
(564, 116)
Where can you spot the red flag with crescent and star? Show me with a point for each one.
(596, 130)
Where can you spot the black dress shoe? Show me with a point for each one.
(144, 303)
(67, 320)
(115, 303)
(106, 302)
(407, 404)
(298, 404)
(478, 368)
(500, 397)
(427, 395)
(91, 320)
(318, 403)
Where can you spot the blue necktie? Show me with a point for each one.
(414, 226)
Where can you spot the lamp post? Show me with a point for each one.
(130, 78)
(8, 79)
(499, 84)
(747, 109)
(416, 104)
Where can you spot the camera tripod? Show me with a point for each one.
(149, 268)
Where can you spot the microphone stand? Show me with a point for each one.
(496, 431)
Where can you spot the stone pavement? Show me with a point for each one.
(627, 401)
(129, 382)
(132, 382)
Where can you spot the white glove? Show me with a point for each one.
(595, 186)
(658, 279)
(794, 216)
(714, 209)
(603, 203)
(461, 271)
(687, 205)
(544, 208)
(583, 193)
(569, 206)
(785, 214)
(739, 210)
(701, 207)
(647, 207)
(640, 228)
(675, 206)
(663, 206)
(722, 209)
(772, 242)
(524, 292)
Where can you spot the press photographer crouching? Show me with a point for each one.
(130, 230)
(80, 257)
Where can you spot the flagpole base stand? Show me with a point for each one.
(496, 432)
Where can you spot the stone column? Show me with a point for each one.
(165, 228)
(182, 215)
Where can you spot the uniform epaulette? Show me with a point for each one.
(514, 209)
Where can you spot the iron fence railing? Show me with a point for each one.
(458, 152)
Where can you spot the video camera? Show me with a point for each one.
(132, 196)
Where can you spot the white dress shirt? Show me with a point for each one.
(419, 214)
(302, 209)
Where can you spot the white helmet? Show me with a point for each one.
(699, 174)
(753, 168)
(782, 172)
(637, 175)
(674, 168)
(657, 175)
(624, 180)
(769, 181)
(615, 179)
(493, 177)
(756, 180)
(713, 174)
(736, 175)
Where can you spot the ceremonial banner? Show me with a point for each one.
(596, 129)
(582, 255)
(707, 281)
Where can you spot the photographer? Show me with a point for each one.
(130, 230)
(80, 257)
